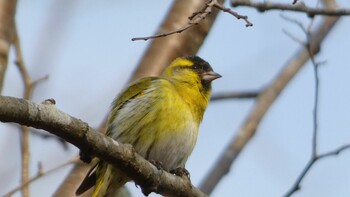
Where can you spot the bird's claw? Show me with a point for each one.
(157, 164)
(181, 172)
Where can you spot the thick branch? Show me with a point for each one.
(266, 6)
(77, 132)
(263, 103)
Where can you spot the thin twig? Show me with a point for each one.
(197, 17)
(300, 7)
(234, 95)
(41, 174)
(315, 157)
(296, 185)
(233, 13)
(165, 34)
(334, 152)
(28, 85)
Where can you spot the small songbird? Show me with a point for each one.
(159, 117)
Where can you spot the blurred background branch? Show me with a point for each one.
(7, 27)
(299, 7)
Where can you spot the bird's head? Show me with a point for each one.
(192, 70)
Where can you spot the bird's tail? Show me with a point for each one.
(109, 180)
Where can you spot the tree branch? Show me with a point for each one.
(300, 7)
(162, 51)
(315, 157)
(263, 103)
(39, 175)
(235, 95)
(197, 17)
(28, 90)
(48, 117)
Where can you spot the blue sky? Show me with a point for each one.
(85, 48)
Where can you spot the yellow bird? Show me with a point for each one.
(159, 117)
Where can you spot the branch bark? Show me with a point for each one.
(48, 117)
(7, 24)
(263, 103)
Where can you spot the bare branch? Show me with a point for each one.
(39, 175)
(300, 7)
(233, 13)
(263, 103)
(296, 185)
(197, 17)
(171, 47)
(234, 95)
(314, 153)
(334, 152)
(28, 89)
(77, 132)
(165, 34)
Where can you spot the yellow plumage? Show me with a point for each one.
(160, 117)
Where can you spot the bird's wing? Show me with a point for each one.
(131, 92)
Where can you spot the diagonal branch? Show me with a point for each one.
(312, 161)
(197, 17)
(77, 132)
(263, 103)
(39, 175)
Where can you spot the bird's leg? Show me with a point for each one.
(150, 189)
(157, 164)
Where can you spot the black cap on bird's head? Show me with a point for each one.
(203, 68)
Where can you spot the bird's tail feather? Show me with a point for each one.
(109, 180)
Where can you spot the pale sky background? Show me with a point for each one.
(85, 48)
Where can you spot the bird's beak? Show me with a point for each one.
(210, 76)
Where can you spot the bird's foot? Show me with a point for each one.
(157, 164)
(181, 172)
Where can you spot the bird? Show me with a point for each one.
(159, 117)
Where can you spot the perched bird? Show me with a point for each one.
(159, 117)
